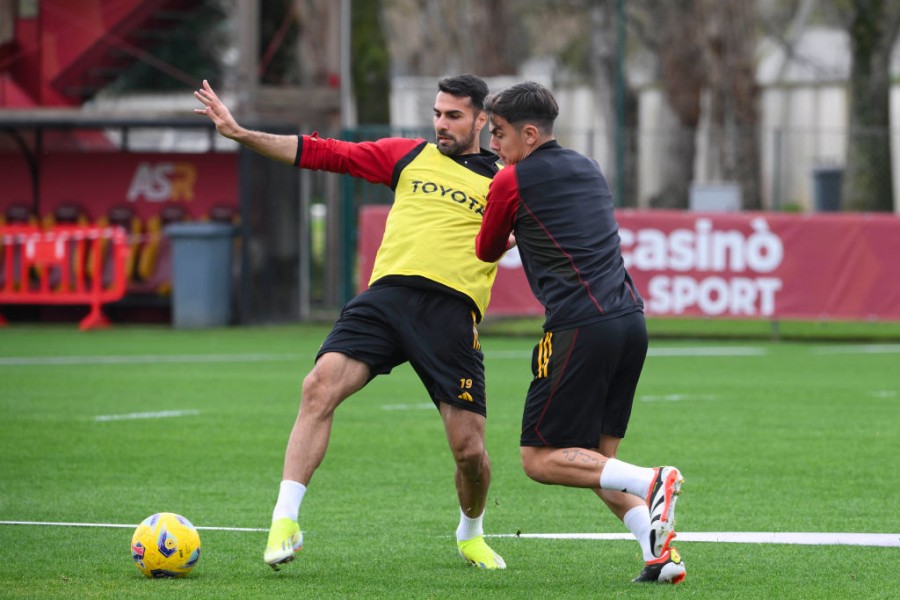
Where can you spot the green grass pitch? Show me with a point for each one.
(771, 437)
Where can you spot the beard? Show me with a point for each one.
(453, 146)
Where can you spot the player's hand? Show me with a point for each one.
(511, 243)
(217, 112)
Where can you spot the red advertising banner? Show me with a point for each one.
(734, 265)
(145, 182)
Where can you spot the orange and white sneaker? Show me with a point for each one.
(661, 499)
(668, 568)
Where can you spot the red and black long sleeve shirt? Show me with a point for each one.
(558, 204)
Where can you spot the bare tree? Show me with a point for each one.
(784, 24)
(673, 31)
(486, 39)
(436, 37)
(731, 31)
(705, 51)
(873, 27)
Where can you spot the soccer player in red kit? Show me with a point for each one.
(558, 208)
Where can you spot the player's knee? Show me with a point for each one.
(471, 458)
(316, 393)
(532, 465)
(532, 470)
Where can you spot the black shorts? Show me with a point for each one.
(584, 383)
(388, 325)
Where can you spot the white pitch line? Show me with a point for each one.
(708, 351)
(144, 359)
(676, 397)
(859, 349)
(797, 538)
(162, 414)
(739, 537)
(735, 537)
(119, 525)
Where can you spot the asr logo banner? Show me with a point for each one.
(163, 181)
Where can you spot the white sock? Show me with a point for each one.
(637, 520)
(468, 528)
(625, 477)
(290, 495)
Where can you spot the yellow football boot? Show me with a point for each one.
(479, 554)
(285, 540)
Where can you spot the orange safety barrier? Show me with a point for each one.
(68, 264)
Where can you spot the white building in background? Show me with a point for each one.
(804, 122)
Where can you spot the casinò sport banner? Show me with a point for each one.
(735, 265)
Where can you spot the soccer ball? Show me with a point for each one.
(165, 545)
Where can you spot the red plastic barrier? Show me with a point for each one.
(64, 265)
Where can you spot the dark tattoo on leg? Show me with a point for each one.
(575, 455)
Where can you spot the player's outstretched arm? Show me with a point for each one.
(282, 148)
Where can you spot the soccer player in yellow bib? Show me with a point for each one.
(427, 293)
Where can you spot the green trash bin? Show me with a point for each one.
(201, 274)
